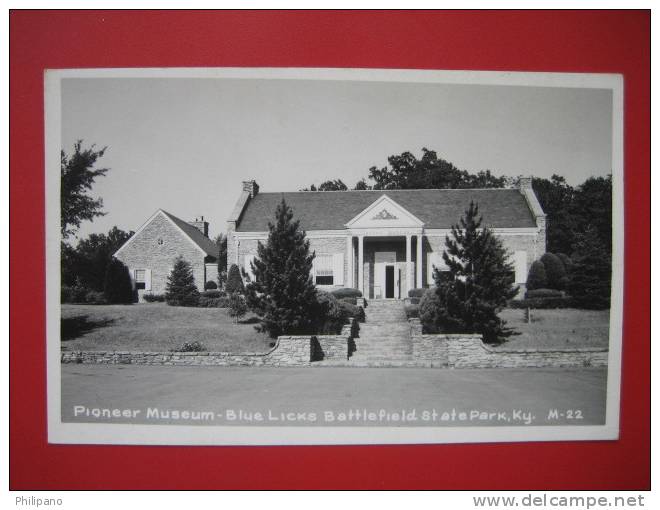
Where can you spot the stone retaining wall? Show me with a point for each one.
(288, 351)
(469, 351)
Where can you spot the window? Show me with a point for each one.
(140, 279)
(160, 241)
(323, 273)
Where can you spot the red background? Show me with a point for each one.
(571, 41)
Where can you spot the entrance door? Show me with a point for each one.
(389, 282)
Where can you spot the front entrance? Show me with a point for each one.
(389, 282)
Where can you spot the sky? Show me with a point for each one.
(185, 145)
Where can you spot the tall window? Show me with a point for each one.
(323, 265)
(140, 279)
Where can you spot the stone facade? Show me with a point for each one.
(155, 248)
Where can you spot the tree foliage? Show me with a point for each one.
(237, 306)
(221, 242)
(78, 175)
(332, 185)
(118, 288)
(556, 199)
(537, 277)
(181, 289)
(234, 281)
(589, 280)
(88, 260)
(479, 282)
(555, 271)
(283, 294)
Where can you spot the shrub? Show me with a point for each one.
(414, 300)
(429, 311)
(554, 270)
(74, 294)
(566, 260)
(412, 311)
(94, 297)
(154, 298)
(537, 279)
(543, 303)
(330, 316)
(346, 293)
(190, 347)
(351, 300)
(181, 289)
(117, 286)
(212, 293)
(416, 293)
(351, 310)
(543, 293)
(66, 294)
(234, 281)
(237, 306)
(210, 285)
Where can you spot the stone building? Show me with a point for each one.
(386, 242)
(150, 253)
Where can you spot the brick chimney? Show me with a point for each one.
(525, 183)
(251, 187)
(201, 225)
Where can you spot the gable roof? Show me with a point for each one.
(437, 208)
(203, 243)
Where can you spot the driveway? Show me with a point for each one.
(341, 396)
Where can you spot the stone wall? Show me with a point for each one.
(288, 351)
(431, 350)
(468, 351)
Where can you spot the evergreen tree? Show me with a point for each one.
(181, 289)
(590, 278)
(117, 288)
(283, 294)
(479, 282)
(234, 281)
(555, 271)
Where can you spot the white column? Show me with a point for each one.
(349, 261)
(418, 264)
(361, 264)
(408, 264)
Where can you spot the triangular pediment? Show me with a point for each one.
(385, 212)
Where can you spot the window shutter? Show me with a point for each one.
(338, 268)
(520, 266)
(131, 273)
(248, 266)
(147, 279)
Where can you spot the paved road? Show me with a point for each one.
(312, 396)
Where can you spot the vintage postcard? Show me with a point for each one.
(244, 256)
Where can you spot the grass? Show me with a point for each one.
(566, 327)
(156, 327)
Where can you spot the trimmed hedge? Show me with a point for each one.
(213, 302)
(416, 293)
(79, 294)
(554, 270)
(154, 298)
(412, 311)
(537, 278)
(213, 293)
(543, 303)
(210, 285)
(543, 293)
(346, 292)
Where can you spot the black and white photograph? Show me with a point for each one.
(332, 256)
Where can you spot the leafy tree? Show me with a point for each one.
(78, 176)
(234, 281)
(221, 241)
(283, 294)
(181, 289)
(361, 185)
(405, 171)
(592, 208)
(479, 282)
(335, 185)
(118, 288)
(555, 271)
(590, 278)
(89, 260)
(537, 277)
(556, 198)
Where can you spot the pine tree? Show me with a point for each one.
(479, 282)
(117, 286)
(590, 277)
(181, 289)
(283, 294)
(234, 281)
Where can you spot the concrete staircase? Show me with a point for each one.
(384, 336)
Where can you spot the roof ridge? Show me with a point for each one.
(385, 190)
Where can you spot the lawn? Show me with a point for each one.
(156, 327)
(558, 328)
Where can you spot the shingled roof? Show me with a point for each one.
(208, 246)
(437, 208)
